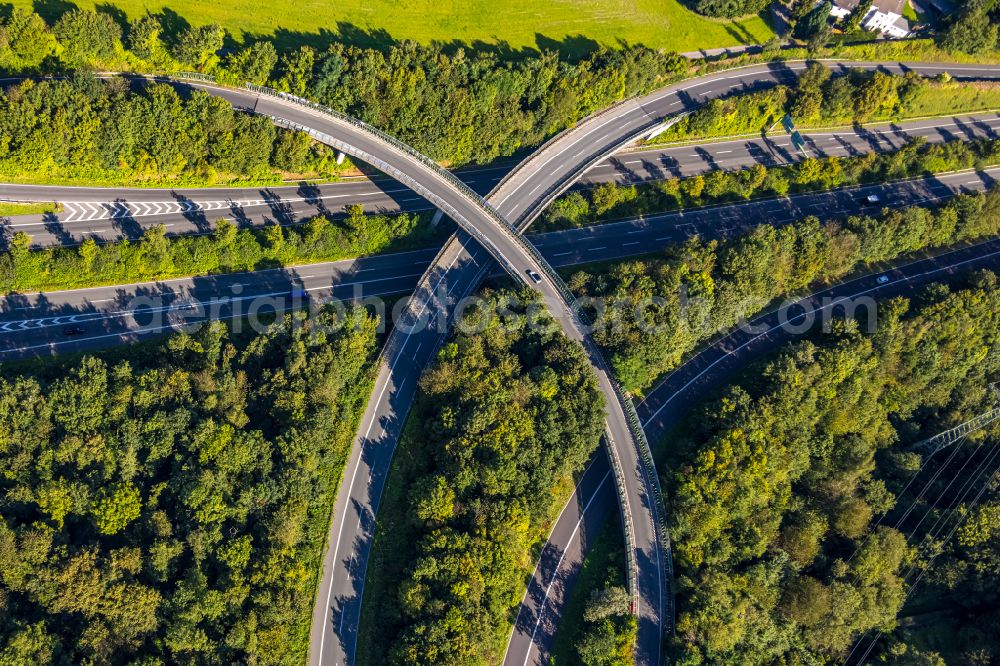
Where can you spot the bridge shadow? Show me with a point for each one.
(849, 148)
(707, 158)
(239, 215)
(54, 227)
(760, 154)
(313, 195)
(986, 129)
(623, 173)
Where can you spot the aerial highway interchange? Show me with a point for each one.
(485, 237)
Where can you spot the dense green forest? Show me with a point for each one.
(610, 201)
(704, 287)
(171, 506)
(505, 416)
(781, 485)
(83, 129)
(609, 630)
(456, 106)
(227, 249)
(953, 616)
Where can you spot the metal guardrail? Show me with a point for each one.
(642, 444)
(408, 180)
(632, 566)
(396, 143)
(634, 425)
(564, 183)
(572, 129)
(659, 507)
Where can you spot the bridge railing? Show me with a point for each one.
(411, 152)
(638, 435)
(393, 141)
(632, 566)
(413, 184)
(659, 509)
(567, 179)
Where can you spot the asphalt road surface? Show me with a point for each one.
(593, 502)
(109, 213)
(34, 324)
(503, 245)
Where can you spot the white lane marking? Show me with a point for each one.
(340, 534)
(548, 588)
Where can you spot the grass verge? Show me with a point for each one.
(12, 208)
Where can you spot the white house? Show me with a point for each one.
(885, 16)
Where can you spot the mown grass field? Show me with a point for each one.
(573, 26)
(946, 98)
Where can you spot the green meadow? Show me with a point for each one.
(572, 26)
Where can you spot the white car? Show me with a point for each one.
(873, 199)
(536, 278)
(882, 279)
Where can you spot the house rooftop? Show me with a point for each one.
(884, 6)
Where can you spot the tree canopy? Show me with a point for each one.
(780, 482)
(456, 105)
(82, 128)
(170, 504)
(505, 416)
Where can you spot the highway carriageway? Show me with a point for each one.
(35, 324)
(110, 213)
